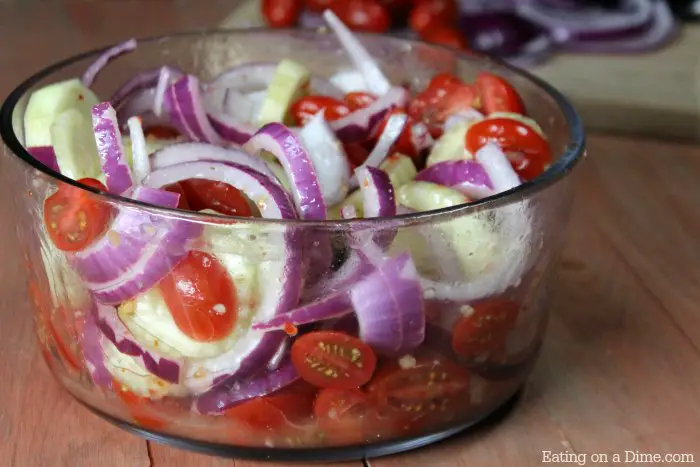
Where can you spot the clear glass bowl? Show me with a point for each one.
(525, 226)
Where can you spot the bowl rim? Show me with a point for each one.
(574, 152)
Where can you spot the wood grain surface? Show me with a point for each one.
(620, 369)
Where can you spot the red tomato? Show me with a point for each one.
(182, 202)
(306, 107)
(201, 297)
(359, 100)
(434, 388)
(161, 132)
(281, 13)
(330, 359)
(362, 15)
(218, 196)
(349, 416)
(483, 332)
(140, 408)
(278, 411)
(62, 347)
(430, 13)
(445, 95)
(74, 218)
(318, 6)
(357, 154)
(529, 152)
(497, 95)
(445, 35)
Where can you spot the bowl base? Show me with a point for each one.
(323, 454)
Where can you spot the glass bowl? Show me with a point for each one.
(458, 376)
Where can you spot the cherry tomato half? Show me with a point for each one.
(483, 332)
(434, 387)
(363, 15)
(445, 95)
(432, 13)
(278, 411)
(349, 416)
(303, 109)
(359, 100)
(357, 154)
(281, 13)
(528, 151)
(497, 95)
(140, 408)
(201, 297)
(330, 359)
(74, 218)
(218, 196)
(445, 35)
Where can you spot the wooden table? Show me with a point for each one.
(620, 369)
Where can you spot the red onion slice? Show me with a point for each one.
(389, 307)
(331, 306)
(377, 192)
(352, 270)
(565, 25)
(92, 351)
(359, 125)
(278, 140)
(467, 176)
(114, 329)
(661, 29)
(139, 82)
(377, 83)
(45, 155)
(393, 129)
(234, 392)
(139, 151)
(137, 251)
(198, 152)
(189, 110)
(111, 53)
(328, 158)
(110, 148)
(252, 77)
(231, 130)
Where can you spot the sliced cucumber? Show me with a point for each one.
(290, 81)
(277, 169)
(399, 168)
(135, 377)
(74, 144)
(521, 118)
(150, 321)
(450, 146)
(471, 239)
(47, 103)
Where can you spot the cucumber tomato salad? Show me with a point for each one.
(295, 336)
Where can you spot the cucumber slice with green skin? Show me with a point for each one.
(74, 144)
(289, 83)
(471, 239)
(150, 322)
(47, 103)
(450, 146)
(399, 168)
